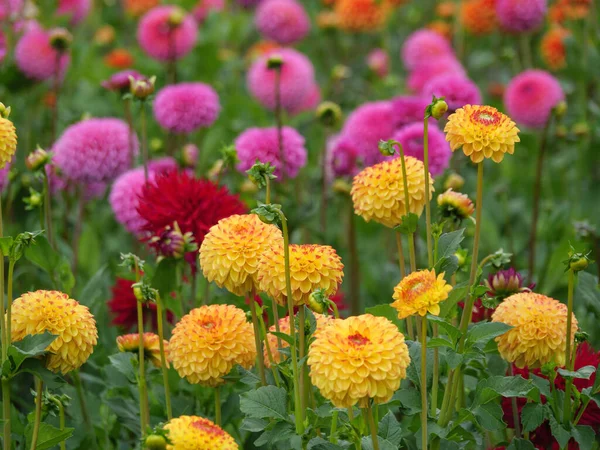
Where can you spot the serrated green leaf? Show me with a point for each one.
(584, 373)
(123, 363)
(367, 444)
(439, 342)
(254, 425)
(532, 416)
(559, 432)
(389, 429)
(278, 432)
(321, 444)
(387, 311)
(457, 294)
(267, 402)
(31, 346)
(283, 336)
(453, 332)
(489, 416)
(584, 436)
(48, 436)
(449, 243)
(482, 332)
(520, 444)
(492, 387)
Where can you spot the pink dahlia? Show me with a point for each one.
(10, 8)
(167, 32)
(76, 10)
(36, 58)
(297, 79)
(456, 89)
(431, 69)
(263, 144)
(520, 16)
(407, 109)
(411, 138)
(424, 46)
(531, 96)
(120, 81)
(94, 150)
(311, 100)
(343, 157)
(185, 107)
(204, 7)
(379, 62)
(283, 21)
(2, 46)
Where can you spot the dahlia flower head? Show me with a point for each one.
(553, 48)
(378, 62)
(120, 81)
(262, 144)
(455, 205)
(76, 10)
(505, 283)
(407, 109)
(479, 16)
(283, 21)
(131, 343)
(310, 102)
(209, 341)
(430, 69)
(9, 8)
(482, 132)
(343, 157)
(378, 191)
(204, 7)
(186, 107)
(424, 46)
(456, 89)
(312, 267)
(125, 192)
(230, 252)
(197, 433)
(296, 81)
(531, 96)
(539, 330)
(518, 16)
(411, 138)
(162, 40)
(95, 150)
(362, 15)
(357, 359)
(52, 311)
(420, 293)
(119, 58)
(136, 8)
(36, 58)
(8, 141)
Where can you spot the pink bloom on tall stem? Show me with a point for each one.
(456, 89)
(77, 10)
(521, 16)
(424, 46)
(36, 58)
(428, 70)
(283, 21)
(311, 100)
(411, 138)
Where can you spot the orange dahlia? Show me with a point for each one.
(131, 343)
(52, 311)
(231, 250)
(455, 205)
(419, 293)
(136, 8)
(442, 28)
(312, 267)
(479, 16)
(553, 49)
(209, 341)
(119, 58)
(357, 359)
(539, 330)
(197, 433)
(8, 137)
(362, 15)
(482, 132)
(445, 9)
(378, 191)
(327, 19)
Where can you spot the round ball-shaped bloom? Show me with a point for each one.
(209, 341)
(73, 324)
(204, 7)
(310, 102)
(120, 81)
(95, 150)
(520, 16)
(456, 89)
(420, 293)
(479, 16)
(357, 359)
(539, 333)
(263, 144)
(197, 433)
(531, 96)
(423, 46)
(482, 132)
(553, 48)
(430, 69)
(9, 8)
(231, 250)
(36, 58)
(283, 21)
(296, 80)
(312, 267)
(163, 40)
(131, 343)
(185, 107)
(407, 109)
(454, 205)
(411, 138)
(362, 15)
(379, 62)
(342, 157)
(76, 10)
(378, 191)
(8, 141)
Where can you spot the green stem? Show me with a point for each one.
(257, 341)
(61, 418)
(218, 406)
(144, 140)
(163, 359)
(5, 338)
(268, 190)
(524, 41)
(424, 381)
(269, 353)
(48, 210)
(144, 414)
(400, 255)
(427, 193)
(39, 386)
(332, 432)
(411, 237)
(368, 412)
(568, 359)
(515, 408)
(436, 373)
(301, 353)
(355, 304)
(83, 407)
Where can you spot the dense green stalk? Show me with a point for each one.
(301, 353)
(83, 407)
(39, 386)
(569, 349)
(424, 381)
(163, 359)
(368, 413)
(427, 193)
(332, 432)
(218, 406)
(515, 408)
(48, 210)
(144, 413)
(61, 419)
(257, 341)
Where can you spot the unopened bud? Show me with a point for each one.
(578, 264)
(141, 89)
(105, 35)
(37, 159)
(138, 292)
(329, 114)
(341, 186)
(340, 72)
(438, 108)
(156, 144)
(60, 39)
(318, 301)
(189, 155)
(274, 62)
(454, 182)
(560, 109)
(176, 17)
(581, 337)
(461, 257)
(155, 442)
(561, 131)
(4, 111)
(581, 129)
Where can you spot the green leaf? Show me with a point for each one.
(561, 435)
(588, 291)
(389, 429)
(321, 444)
(278, 432)
(48, 436)
(387, 311)
(584, 373)
(54, 264)
(584, 436)
(482, 332)
(449, 243)
(439, 342)
(284, 336)
(254, 425)
(453, 332)
(408, 224)
(492, 387)
(532, 416)
(367, 444)
(5, 244)
(268, 402)
(520, 444)
(123, 363)
(31, 346)
(37, 368)
(458, 293)
(489, 416)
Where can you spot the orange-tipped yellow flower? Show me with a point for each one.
(553, 49)
(455, 205)
(197, 433)
(312, 267)
(209, 341)
(362, 15)
(482, 132)
(378, 191)
(357, 359)
(52, 311)
(230, 252)
(539, 333)
(131, 343)
(419, 293)
(8, 137)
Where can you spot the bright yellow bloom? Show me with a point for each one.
(131, 342)
(362, 15)
(419, 293)
(209, 341)
(481, 131)
(378, 191)
(357, 359)
(52, 311)
(8, 140)
(539, 333)
(455, 205)
(197, 433)
(312, 267)
(231, 250)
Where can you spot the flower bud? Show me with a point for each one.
(560, 109)
(155, 442)
(60, 39)
(274, 62)
(104, 35)
(318, 302)
(156, 144)
(454, 182)
(189, 155)
(581, 337)
(455, 206)
(4, 111)
(34, 200)
(329, 114)
(141, 89)
(172, 243)
(561, 131)
(176, 17)
(578, 264)
(386, 148)
(341, 186)
(138, 292)
(581, 129)
(461, 257)
(340, 72)
(438, 108)
(37, 159)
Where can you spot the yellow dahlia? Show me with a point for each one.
(362, 15)
(539, 333)
(197, 433)
(209, 341)
(358, 358)
(54, 312)
(419, 293)
(378, 191)
(8, 137)
(455, 205)
(131, 343)
(312, 267)
(481, 131)
(231, 250)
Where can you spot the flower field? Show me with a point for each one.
(299, 224)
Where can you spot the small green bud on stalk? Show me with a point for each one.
(274, 62)
(318, 301)
(155, 442)
(176, 17)
(4, 111)
(60, 39)
(437, 108)
(560, 109)
(329, 114)
(141, 89)
(37, 159)
(454, 181)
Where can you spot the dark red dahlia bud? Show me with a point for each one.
(172, 243)
(504, 283)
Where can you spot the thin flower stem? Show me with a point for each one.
(48, 210)
(257, 342)
(355, 305)
(427, 193)
(144, 414)
(279, 120)
(515, 408)
(332, 432)
(581, 411)
(368, 412)
(411, 236)
(129, 120)
(144, 139)
(436, 373)
(324, 185)
(269, 352)
(78, 227)
(61, 419)
(83, 407)
(569, 349)
(218, 406)
(301, 353)
(524, 41)
(56, 92)
(9, 299)
(163, 359)
(424, 434)
(400, 255)
(5, 338)
(39, 386)
(267, 190)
